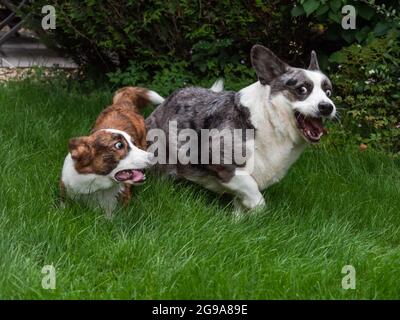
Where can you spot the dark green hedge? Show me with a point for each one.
(208, 33)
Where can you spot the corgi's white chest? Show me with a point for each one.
(272, 159)
(91, 189)
(277, 144)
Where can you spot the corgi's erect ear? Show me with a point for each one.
(313, 62)
(268, 66)
(80, 150)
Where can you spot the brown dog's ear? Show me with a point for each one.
(80, 150)
(313, 62)
(268, 66)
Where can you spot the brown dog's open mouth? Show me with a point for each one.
(135, 176)
(311, 128)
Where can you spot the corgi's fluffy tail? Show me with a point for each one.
(218, 85)
(139, 97)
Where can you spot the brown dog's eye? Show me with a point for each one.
(119, 145)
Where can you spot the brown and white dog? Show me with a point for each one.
(101, 167)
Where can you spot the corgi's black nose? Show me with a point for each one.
(325, 108)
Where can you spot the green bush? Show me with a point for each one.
(207, 34)
(372, 18)
(176, 75)
(368, 91)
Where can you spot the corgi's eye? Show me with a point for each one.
(302, 90)
(328, 93)
(119, 145)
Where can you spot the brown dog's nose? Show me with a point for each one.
(325, 108)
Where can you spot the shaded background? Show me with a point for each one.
(170, 44)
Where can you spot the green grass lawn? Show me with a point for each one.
(176, 240)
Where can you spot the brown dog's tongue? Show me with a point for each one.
(137, 175)
(124, 175)
(130, 175)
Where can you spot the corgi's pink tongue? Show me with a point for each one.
(312, 128)
(130, 175)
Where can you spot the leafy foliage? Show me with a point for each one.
(368, 85)
(176, 75)
(206, 34)
(371, 18)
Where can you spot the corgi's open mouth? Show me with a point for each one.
(130, 176)
(311, 128)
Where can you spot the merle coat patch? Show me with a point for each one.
(199, 108)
